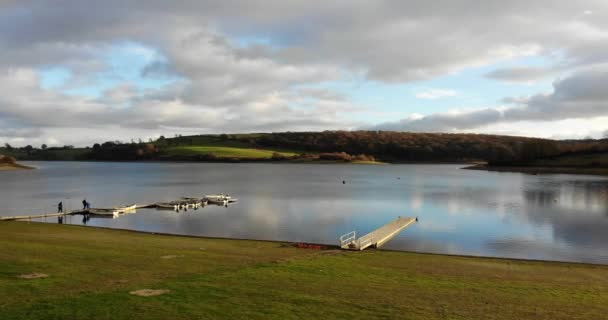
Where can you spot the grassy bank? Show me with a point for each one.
(91, 272)
(541, 170)
(582, 163)
(224, 152)
(584, 160)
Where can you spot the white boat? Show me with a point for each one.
(185, 203)
(218, 198)
(127, 208)
(112, 212)
(166, 206)
(102, 212)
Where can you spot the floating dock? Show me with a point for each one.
(47, 215)
(376, 238)
(182, 203)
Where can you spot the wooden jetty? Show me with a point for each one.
(182, 203)
(376, 238)
(46, 215)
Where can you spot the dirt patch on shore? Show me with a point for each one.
(149, 292)
(34, 275)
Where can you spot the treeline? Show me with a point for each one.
(117, 151)
(44, 153)
(589, 146)
(405, 146)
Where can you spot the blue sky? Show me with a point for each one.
(467, 88)
(124, 63)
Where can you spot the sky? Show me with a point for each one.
(78, 72)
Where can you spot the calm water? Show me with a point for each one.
(551, 217)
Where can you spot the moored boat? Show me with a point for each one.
(166, 206)
(218, 198)
(112, 212)
(123, 209)
(103, 212)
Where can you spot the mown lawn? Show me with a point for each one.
(223, 152)
(91, 272)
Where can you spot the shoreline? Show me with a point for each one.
(269, 161)
(14, 167)
(535, 170)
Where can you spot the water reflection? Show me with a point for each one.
(558, 217)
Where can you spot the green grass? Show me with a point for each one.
(579, 160)
(589, 164)
(50, 154)
(91, 271)
(224, 152)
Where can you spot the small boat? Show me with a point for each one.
(127, 208)
(112, 212)
(218, 198)
(103, 212)
(166, 206)
(191, 199)
(184, 204)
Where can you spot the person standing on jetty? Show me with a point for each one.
(60, 210)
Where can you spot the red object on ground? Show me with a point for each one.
(311, 246)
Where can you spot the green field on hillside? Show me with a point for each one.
(91, 273)
(223, 152)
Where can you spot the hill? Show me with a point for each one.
(340, 146)
(581, 157)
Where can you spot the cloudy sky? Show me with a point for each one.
(78, 72)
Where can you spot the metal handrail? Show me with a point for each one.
(365, 240)
(348, 238)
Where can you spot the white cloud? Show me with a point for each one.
(581, 96)
(224, 86)
(521, 74)
(436, 94)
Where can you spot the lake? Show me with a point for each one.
(548, 217)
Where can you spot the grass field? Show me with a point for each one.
(91, 272)
(224, 152)
(224, 148)
(589, 164)
(580, 160)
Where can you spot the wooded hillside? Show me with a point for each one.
(384, 146)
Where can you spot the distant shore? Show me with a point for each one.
(540, 170)
(14, 166)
